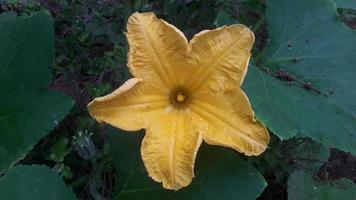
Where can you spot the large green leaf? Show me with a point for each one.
(301, 185)
(219, 174)
(310, 44)
(35, 183)
(28, 109)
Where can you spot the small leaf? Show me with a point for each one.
(219, 174)
(34, 182)
(59, 150)
(301, 185)
(67, 172)
(28, 110)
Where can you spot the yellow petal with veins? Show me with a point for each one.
(183, 93)
(131, 107)
(227, 119)
(157, 50)
(219, 57)
(169, 149)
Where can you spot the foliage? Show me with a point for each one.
(313, 189)
(345, 4)
(225, 176)
(34, 182)
(29, 110)
(318, 88)
(301, 84)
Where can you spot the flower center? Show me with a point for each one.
(179, 97)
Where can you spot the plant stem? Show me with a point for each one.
(79, 182)
(259, 23)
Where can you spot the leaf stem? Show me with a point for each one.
(259, 23)
(79, 182)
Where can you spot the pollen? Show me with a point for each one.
(180, 97)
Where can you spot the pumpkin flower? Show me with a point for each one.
(183, 93)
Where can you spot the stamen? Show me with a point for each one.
(180, 97)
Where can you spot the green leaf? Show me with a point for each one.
(295, 153)
(305, 153)
(313, 47)
(29, 110)
(59, 149)
(34, 182)
(224, 18)
(219, 174)
(7, 16)
(65, 171)
(346, 4)
(301, 185)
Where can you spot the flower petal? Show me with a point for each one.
(227, 119)
(130, 107)
(156, 49)
(169, 149)
(220, 57)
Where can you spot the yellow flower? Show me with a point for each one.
(182, 93)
